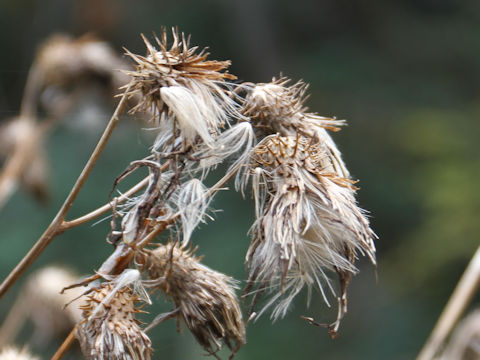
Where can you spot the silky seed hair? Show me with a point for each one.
(182, 88)
(205, 299)
(308, 223)
(276, 107)
(109, 330)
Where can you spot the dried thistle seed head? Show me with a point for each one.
(308, 222)
(111, 331)
(12, 353)
(205, 298)
(274, 102)
(182, 86)
(276, 107)
(62, 60)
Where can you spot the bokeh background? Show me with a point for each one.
(406, 76)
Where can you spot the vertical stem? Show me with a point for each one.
(62, 350)
(55, 227)
(456, 305)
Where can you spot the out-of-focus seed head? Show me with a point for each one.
(308, 222)
(62, 60)
(178, 82)
(111, 331)
(47, 304)
(11, 353)
(205, 298)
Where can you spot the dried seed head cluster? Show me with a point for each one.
(183, 88)
(204, 298)
(307, 219)
(308, 222)
(307, 226)
(109, 329)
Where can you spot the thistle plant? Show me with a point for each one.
(308, 225)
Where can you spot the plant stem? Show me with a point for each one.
(62, 350)
(103, 209)
(460, 298)
(55, 227)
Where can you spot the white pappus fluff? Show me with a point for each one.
(192, 202)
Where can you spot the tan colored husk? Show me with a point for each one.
(276, 108)
(111, 331)
(204, 298)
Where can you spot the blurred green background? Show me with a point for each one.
(406, 76)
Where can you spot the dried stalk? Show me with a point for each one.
(103, 209)
(461, 297)
(55, 228)
(67, 343)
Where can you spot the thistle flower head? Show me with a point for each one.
(183, 87)
(204, 298)
(269, 103)
(109, 329)
(308, 223)
(277, 108)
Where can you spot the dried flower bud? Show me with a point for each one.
(205, 298)
(11, 353)
(183, 88)
(277, 108)
(307, 220)
(111, 331)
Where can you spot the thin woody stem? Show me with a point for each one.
(55, 227)
(461, 297)
(67, 343)
(103, 209)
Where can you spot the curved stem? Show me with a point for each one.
(67, 343)
(103, 209)
(55, 227)
(461, 297)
